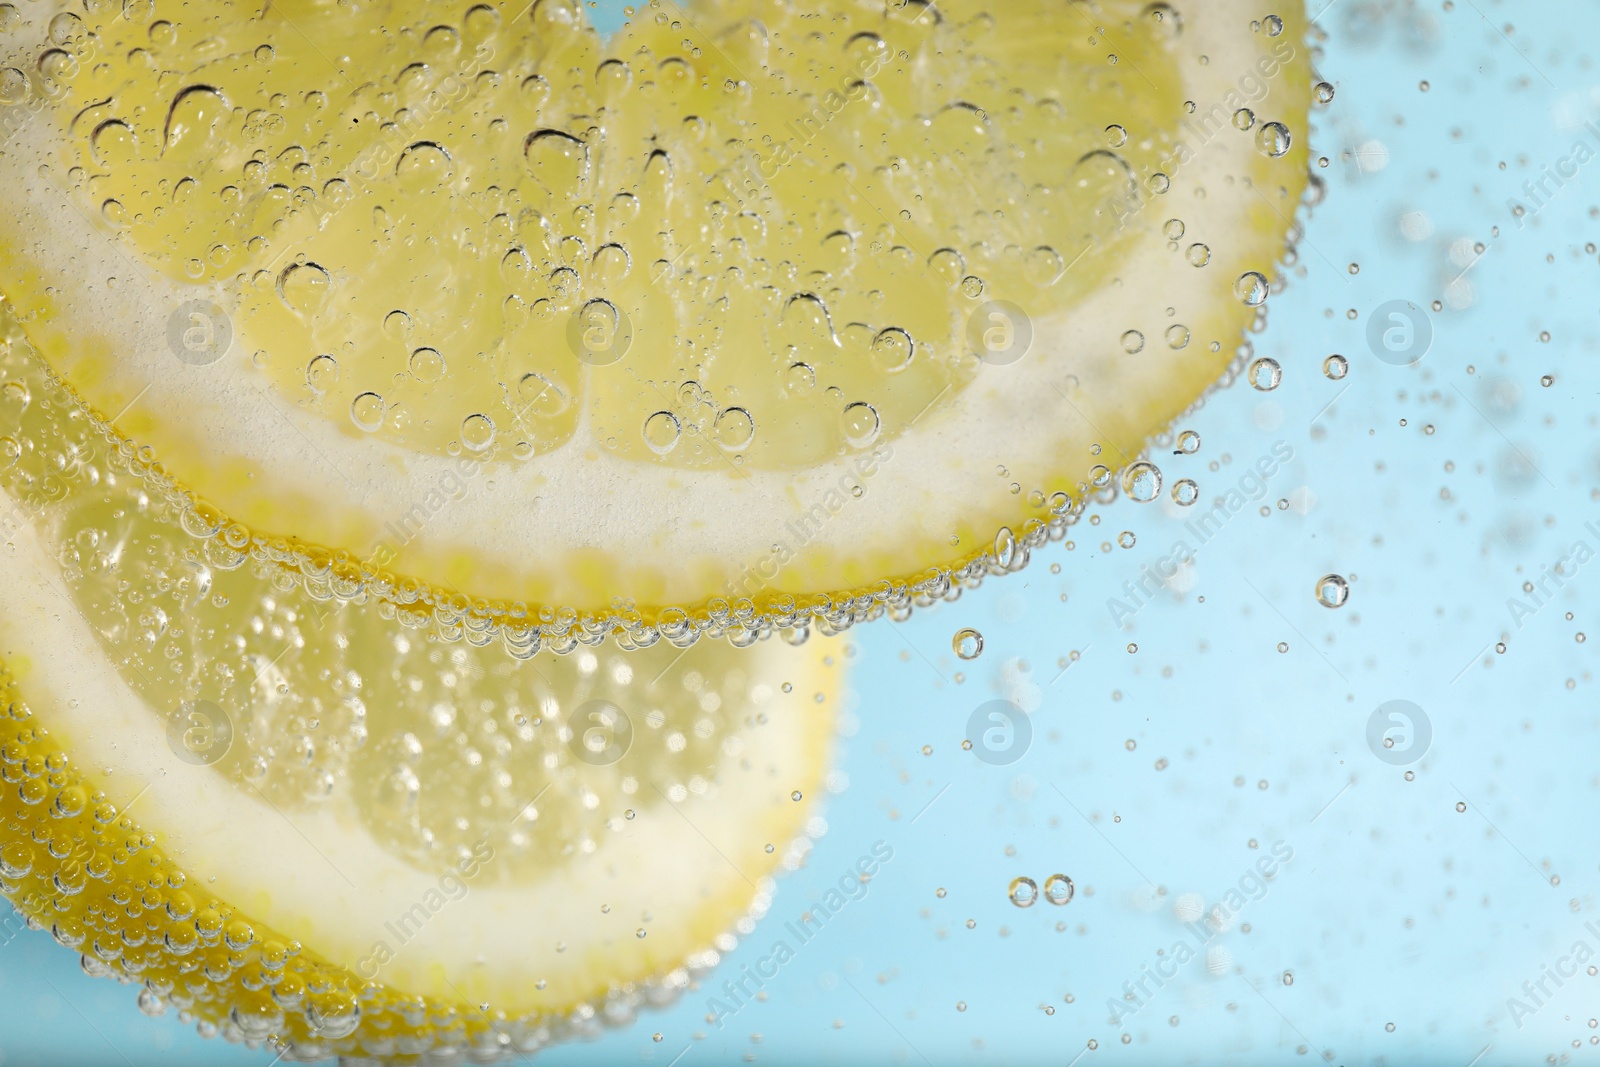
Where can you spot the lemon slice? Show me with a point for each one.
(299, 819)
(748, 315)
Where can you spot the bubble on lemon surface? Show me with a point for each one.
(367, 411)
(860, 423)
(1332, 591)
(967, 644)
(321, 373)
(477, 432)
(426, 364)
(733, 429)
(661, 432)
(1273, 139)
(893, 349)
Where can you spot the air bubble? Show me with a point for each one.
(661, 432)
(1142, 481)
(477, 432)
(967, 644)
(893, 349)
(1058, 889)
(1332, 591)
(1265, 374)
(321, 373)
(1273, 139)
(366, 411)
(860, 423)
(1251, 288)
(559, 159)
(304, 288)
(426, 364)
(734, 429)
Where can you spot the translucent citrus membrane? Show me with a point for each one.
(350, 835)
(657, 337)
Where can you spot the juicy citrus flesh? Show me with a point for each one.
(668, 333)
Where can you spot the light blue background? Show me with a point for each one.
(1396, 907)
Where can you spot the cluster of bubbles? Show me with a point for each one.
(1024, 892)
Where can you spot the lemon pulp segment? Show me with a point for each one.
(712, 324)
